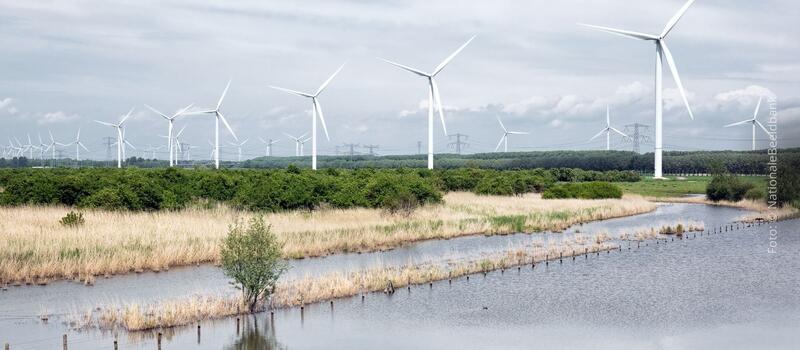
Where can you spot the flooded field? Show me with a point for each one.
(711, 289)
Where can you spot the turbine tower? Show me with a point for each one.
(170, 121)
(662, 51)
(52, 145)
(433, 95)
(504, 138)
(608, 129)
(120, 138)
(217, 117)
(316, 111)
(754, 122)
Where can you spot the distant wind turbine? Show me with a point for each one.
(239, 147)
(170, 120)
(504, 138)
(433, 94)
(120, 137)
(662, 51)
(316, 111)
(268, 151)
(608, 129)
(78, 145)
(297, 143)
(754, 122)
(217, 118)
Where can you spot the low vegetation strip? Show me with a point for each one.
(271, 190)
(35, 247)
(136, 317)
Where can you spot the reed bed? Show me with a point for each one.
(308, 290)
(762, 212)
(35, 248)
(678, 227)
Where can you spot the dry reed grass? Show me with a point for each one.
(762, 212)
(308, 290)
(35, 248)
(646, 233)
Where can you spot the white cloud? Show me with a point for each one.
(5, 104)
(55, 117)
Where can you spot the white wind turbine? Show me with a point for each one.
(176, 145)
(217, 117)
(608, 129)
(78, 145)
(754, 122)
(504, 138)
(239, 147)
(433, 95)
(170, 120)
(268, 151)
(120, 137)
(316, 111)
(297, 143)
(662, 51)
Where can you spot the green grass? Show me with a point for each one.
(675, 187)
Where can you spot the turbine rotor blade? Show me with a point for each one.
(500, 142)
(157, 112)
(674, 20)
(224, 92)
(763, 128)
(597, 135)
(84, 147)
(625, 33)
(292, 91)
(182, 111)
(738, 123)
(126, 117)
(501, 123)
(758, 105)
(450, 58)
(318, 107)
(224, 121)
(519, 133)
(674, 70)
(438, 104)
(325, 84)
(412, 70)
(617, 131)
(106, 123)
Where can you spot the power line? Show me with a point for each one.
(458, 144)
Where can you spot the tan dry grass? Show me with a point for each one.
(35, 248)
(135, 317)
(762, 212)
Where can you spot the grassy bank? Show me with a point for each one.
(678, 186)
(35, 248)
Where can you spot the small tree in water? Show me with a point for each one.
(252, 257)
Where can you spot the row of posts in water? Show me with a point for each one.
(716, 230)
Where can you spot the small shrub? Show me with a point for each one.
(403, 204)
(754, 194)
(72, 219)
(583, 190)
(727, 187)
(252, 257)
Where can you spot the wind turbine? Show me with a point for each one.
(28, 147)
(754, 122)
(433, 95)
(78, 145)
(504, 138)
(297, 142)
(608, 129)
(217, 117)
(239, 147)
(269, 144)
(120, 137)
(303, 145)
(662, 51)
(170, 121)
(176, 142)
(316, 111)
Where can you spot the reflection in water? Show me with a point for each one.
(254, 338)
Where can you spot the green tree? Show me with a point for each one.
(252, 257)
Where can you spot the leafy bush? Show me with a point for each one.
(754, 194)
(583, 190)
(72, 219)
(252, 257)
(727, 187)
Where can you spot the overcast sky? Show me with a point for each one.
(66, 63)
